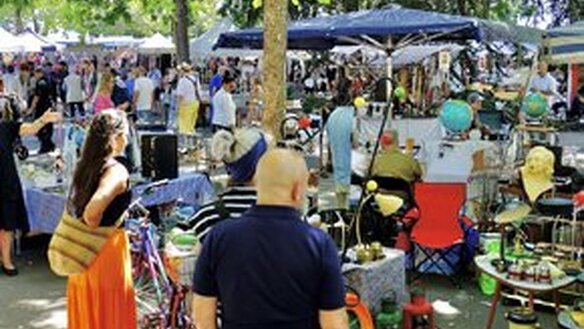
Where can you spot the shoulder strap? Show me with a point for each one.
(194, 87)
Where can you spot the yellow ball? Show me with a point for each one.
(359, 102)
(372, 186)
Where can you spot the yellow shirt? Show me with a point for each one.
(393, 163)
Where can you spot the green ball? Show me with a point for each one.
(400, 93)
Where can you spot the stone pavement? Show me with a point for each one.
(36, 297)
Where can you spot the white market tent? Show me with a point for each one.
(113, 41)
(202, 46)
(34, 43)
(157, 44)
(64, 38)
(10, 43)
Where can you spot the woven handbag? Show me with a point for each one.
(74, 245)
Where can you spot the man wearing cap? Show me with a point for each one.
(269, 269)
(391, 162)
(188, 92)
(475, 100)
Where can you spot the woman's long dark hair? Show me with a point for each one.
(97, 149)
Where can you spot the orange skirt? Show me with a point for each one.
(103, 296)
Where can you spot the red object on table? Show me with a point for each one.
(418, 307)
(578, 199)
(304, 123)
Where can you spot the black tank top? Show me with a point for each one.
(119, 205)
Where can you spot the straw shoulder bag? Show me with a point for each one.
(74, 245)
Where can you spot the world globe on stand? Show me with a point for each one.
(535, 105)
(456, 116)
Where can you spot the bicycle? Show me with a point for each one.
(161, 303)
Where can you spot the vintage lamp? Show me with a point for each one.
(387, 204)
(513, 214)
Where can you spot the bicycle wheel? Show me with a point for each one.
(151, 285)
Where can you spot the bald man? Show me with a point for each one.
(269, 269)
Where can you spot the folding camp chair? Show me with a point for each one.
(438, 235)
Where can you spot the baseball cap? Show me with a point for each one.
(474, 97)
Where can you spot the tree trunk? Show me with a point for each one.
(274, 61)
(181, 32)
(486, 9)
(462, 7)
(19, 24)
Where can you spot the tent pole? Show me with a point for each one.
(389, 72)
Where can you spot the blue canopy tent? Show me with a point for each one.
(565, 44)
(375, 26)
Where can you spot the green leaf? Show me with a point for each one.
(296, 2)
(324, 2)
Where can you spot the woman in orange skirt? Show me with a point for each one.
(103, 296)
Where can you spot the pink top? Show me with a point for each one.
(102, 102)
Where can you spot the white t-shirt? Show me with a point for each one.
(224, 109)
(547, 83)
(145, 89)
(74, 88)
(186, 89)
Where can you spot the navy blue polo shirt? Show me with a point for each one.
(270, 270)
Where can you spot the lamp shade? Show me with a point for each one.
(388, 204)
(513, 214)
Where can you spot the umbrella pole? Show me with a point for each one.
(386, 114)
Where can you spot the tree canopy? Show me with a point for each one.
(136, 17)
(144, 17)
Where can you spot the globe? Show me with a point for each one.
(535, 105)
(456, 116)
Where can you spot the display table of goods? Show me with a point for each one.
(45, 197)
(377, 280)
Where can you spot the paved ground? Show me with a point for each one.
(36, 298)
